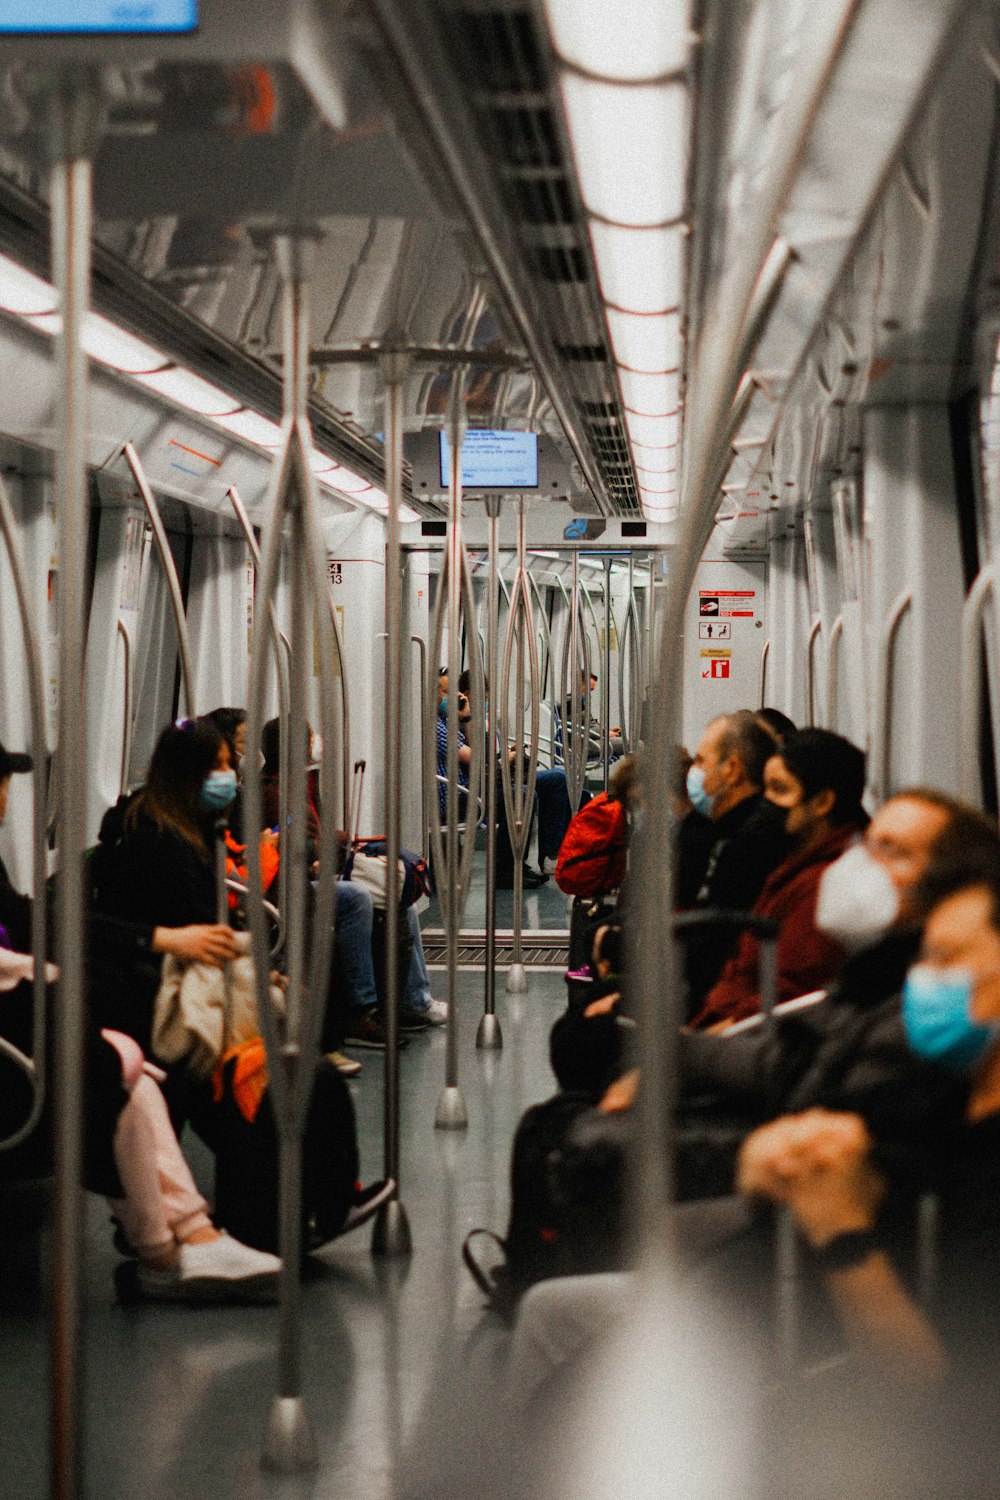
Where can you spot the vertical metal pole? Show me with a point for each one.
(293, 1042)
(606, 684)
(451, 1113)
(75, 121)
(519, 787)
(489, 1037)
(392, 1230)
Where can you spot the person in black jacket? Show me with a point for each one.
(724, 784)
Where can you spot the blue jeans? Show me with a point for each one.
(354, 916)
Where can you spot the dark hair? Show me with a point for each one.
(609, 947)
(227, 721)
(185, 754)
(745, 737)
(465, 682)
(826, 762)
(963, 871)
(585, 1052)
(779, 724)
(683, 760)
(270, 746)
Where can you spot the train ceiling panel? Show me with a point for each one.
(875, 308)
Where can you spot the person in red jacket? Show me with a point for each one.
(818, 778)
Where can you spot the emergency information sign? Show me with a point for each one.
(715, 665)
(723, 604)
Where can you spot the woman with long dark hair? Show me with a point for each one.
(155, 869)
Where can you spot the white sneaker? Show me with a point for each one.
(222, 1270)
(436, 1013)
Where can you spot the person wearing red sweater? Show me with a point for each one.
(818, 778)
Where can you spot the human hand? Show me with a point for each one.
(622, 1094)
(270, 838)
(602, 1007)
(818, 1163)
(200, 943)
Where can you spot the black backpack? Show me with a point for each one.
(566, 1203)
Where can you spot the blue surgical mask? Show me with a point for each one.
(937, 1017)
(701, 800)
(218, 790)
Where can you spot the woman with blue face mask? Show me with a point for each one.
(155, 866)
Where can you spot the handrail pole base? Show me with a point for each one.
(391, 1235)
(451, 1113)
(289, 1440)
(489, 1037)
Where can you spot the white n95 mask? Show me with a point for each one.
(858, 903)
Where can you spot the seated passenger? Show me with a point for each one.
(818, 780)
(821, 1164)
(232, 725)
(164, 1218)
(464, 757)
(724, 784)
(354, 1014)
(154, 870)
(550, 793)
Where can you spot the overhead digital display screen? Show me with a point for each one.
(116, 17)
(494, 460)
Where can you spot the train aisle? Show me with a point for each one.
(177, 1397)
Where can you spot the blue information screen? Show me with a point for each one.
(42, 17)
(494, 460)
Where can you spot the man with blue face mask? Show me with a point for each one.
(831, 1171)
(724, 784)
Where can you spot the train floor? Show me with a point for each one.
(176, 1396)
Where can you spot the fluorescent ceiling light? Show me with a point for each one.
(23, 292)
(108, 344)
(343, 479)
(652, 432)
(647, 471)
(189, 390)
(630, 144)
(640, 270)
(112, 346)
(322, 463)
(649, 344)
(650, 395)
(252, 427)
(642, 39)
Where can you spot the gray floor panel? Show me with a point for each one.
(176, 1397)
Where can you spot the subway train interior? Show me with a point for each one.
(493, 405)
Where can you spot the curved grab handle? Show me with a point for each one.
(630, 638)
(765, 653)
(969, 698)
(271, 911)
(897, 614)
(35, 1065)
(815, 630)
(126, 640)
(169, 567)
(832, 672)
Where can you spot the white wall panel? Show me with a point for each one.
(217, 620)
(912, 537)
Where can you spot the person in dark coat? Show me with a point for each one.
(724, 784)
(818, 780)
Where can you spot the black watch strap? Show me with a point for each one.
(847, 1250)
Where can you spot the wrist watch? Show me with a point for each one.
(847, 1250)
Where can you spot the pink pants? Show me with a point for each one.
(162, 1205)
